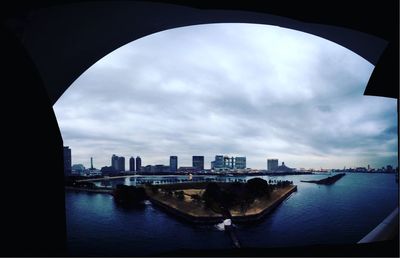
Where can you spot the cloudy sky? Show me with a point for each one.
(238, 89)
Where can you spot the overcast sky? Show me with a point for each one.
(238, 89)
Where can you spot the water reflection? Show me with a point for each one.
(127, 181)
(105, 183)
(315, 214)
(129, 206)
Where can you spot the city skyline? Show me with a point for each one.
(267, 167)
(245, 90)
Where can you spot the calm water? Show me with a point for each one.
(316, 214)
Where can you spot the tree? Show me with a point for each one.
(180, 195)
(154, 189)
(257, 187)
(212, 193)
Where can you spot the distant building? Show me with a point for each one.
(92, 172)
(67, 161)
(173, 163)
(159, 169)
(77, 169)
(188, 170)
(272, 164)
(121, 164)
(283, 168)
(198, 162)
(138, 164)
(218, 163)
(106, 171)
(360, 169)
(147, 168)
(132, 164)
(114, 162)
(240, 162)
(225, 162)
(389, 168)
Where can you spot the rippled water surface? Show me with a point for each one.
(315, 214)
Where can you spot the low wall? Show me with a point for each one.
(386, 230)
(185, 216)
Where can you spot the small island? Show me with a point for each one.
(202, 202)
(326, 181)
(213, 202)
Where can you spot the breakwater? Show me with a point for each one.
(326, 181)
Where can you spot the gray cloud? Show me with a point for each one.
(238, 89)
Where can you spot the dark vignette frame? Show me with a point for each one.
(32, 193)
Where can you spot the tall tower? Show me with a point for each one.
(121, 164)
(91, 163)
(173, 163)
(198, 162)
(114, 162)
(138, 164)
(132, 164)
(67, 160)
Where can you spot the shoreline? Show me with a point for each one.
(91, 190)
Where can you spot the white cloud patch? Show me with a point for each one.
(240, 89)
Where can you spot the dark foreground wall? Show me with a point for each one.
(32, 219)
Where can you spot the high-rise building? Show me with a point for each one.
(198, 162)
(240, 162)
(114, 162)
(173, 163)
(272, 164)
(132, 164)
(138, 164)
(218, 163)
(67, 160)
(227, 162)
(232, 165)
(121, 164)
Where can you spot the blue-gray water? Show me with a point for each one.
(315, 214)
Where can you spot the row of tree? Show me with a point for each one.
(220, 197)
(283, 183)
